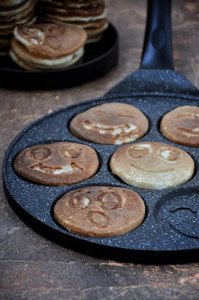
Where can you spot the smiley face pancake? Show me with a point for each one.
(111, 123)
(100, 211)
(47, 46)
(56, 164)
(181, 126)
(152, 165)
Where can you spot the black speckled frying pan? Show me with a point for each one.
(170, 231)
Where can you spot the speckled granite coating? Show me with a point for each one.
(168, 211)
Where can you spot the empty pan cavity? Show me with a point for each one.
(179, 212)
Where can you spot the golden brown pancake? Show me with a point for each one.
(100, 211)
(181, 126)
(28, 61)
(50, 40)
(94, 32)
(47, 46)
(111, 123)
(152, 165)
(61, 163)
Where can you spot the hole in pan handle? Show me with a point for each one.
(157, 49)
(156, 73)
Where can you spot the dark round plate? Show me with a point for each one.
(99, 58)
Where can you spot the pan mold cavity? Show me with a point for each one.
(180, 213)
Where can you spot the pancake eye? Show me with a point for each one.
(34, 32)
(40, 153)
(71, 151)
(169, 155)
(53, 42)
(109, 201)
(79, 201)
(138, 152)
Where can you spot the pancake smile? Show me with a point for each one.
(151, 171)
(115, 129)
(56, 171)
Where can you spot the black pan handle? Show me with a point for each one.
(157, 49)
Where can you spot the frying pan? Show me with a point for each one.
(170, 231)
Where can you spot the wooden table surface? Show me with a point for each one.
(33, 267)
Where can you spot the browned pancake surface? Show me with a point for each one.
(112, 123)
(61, 163)
(181, 126)
(100, 211)
(51, 40)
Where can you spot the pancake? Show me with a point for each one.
(100, 211)
(93, 29)
(94, 32)
(72, 4)
(56, 164)
(50, 40)
(152, 165)
(111, 123)
(13, 14)
(90, 15)
(47, 46)
(10, 3)
(25, 14)
(16, 22)
(9, 31)
(31, 62)
(79, 17)
(95, 38)
(16, 10)
(181, 126)
(88, 11)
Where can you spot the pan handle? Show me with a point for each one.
(157, 49)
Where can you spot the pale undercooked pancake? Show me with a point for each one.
(61, 163)
(181, 125)
(111, 123)
(152, 165)
(47, 46)
(100, 211)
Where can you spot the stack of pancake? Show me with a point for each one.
(47, 46)
(13, 13)
(88, 14)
